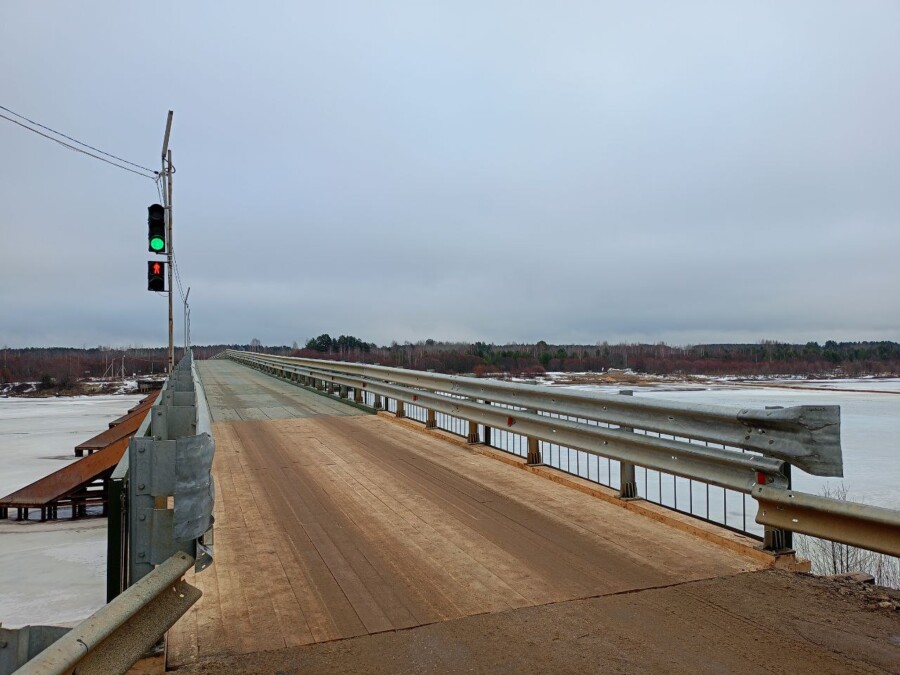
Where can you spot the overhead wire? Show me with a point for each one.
(178, 279)
(74, 140)
(155, 176)
(83, 152)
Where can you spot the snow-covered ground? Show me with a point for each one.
(50, 573)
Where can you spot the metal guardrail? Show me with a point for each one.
(757, 449)
(806, 436)
(170, 456)
(862, 525)
(113, 638)
(173, 460)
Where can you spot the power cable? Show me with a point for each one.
(75, 140)
(178, 278)
(83, 152)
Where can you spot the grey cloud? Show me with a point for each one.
(685, 172)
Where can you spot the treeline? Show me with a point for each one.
(850, 359)
(64, 367)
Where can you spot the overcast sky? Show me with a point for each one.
(501, 171)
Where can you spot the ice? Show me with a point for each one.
(38, 435)
(55, 572)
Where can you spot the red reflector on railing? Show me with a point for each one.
(761, 478)
(510, 421)
(415, 398)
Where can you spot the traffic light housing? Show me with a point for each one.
(156, 271)
(156, 228)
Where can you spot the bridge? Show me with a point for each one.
(375, 521)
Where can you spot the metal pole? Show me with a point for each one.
(167, 203)
(627, 479)
(171, 254)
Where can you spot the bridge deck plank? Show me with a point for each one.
(332, 526)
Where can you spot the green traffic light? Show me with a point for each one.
(157, 243)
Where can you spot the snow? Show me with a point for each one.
(55, 572)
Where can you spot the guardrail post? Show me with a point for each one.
(776, 539)
(357, 395)
(627, 479)
(342, 391)
(534, 452)
(430, 419)
(378, 402)
(330, 387)
(487, 430)
(473, 433)
(116, 540)
(401, 409)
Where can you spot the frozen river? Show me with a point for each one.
(55, 572)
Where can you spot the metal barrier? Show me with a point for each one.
(735, 449)
(170, 456)
(113, 638)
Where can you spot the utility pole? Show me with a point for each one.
(166, 173)
(171, 255)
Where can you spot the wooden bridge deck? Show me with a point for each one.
(332, 524)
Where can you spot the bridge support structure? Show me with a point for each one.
(534, 451)
(472, 436)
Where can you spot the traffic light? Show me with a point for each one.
(156, 276)
(156, 225)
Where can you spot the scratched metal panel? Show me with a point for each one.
(194, 491)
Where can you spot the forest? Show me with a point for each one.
(62, 368)
(768, 357)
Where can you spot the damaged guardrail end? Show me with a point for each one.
(814, 441)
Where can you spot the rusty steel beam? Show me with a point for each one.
(145, 403)
(68, 479)
(125, 429)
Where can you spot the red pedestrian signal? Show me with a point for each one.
(156, 276)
